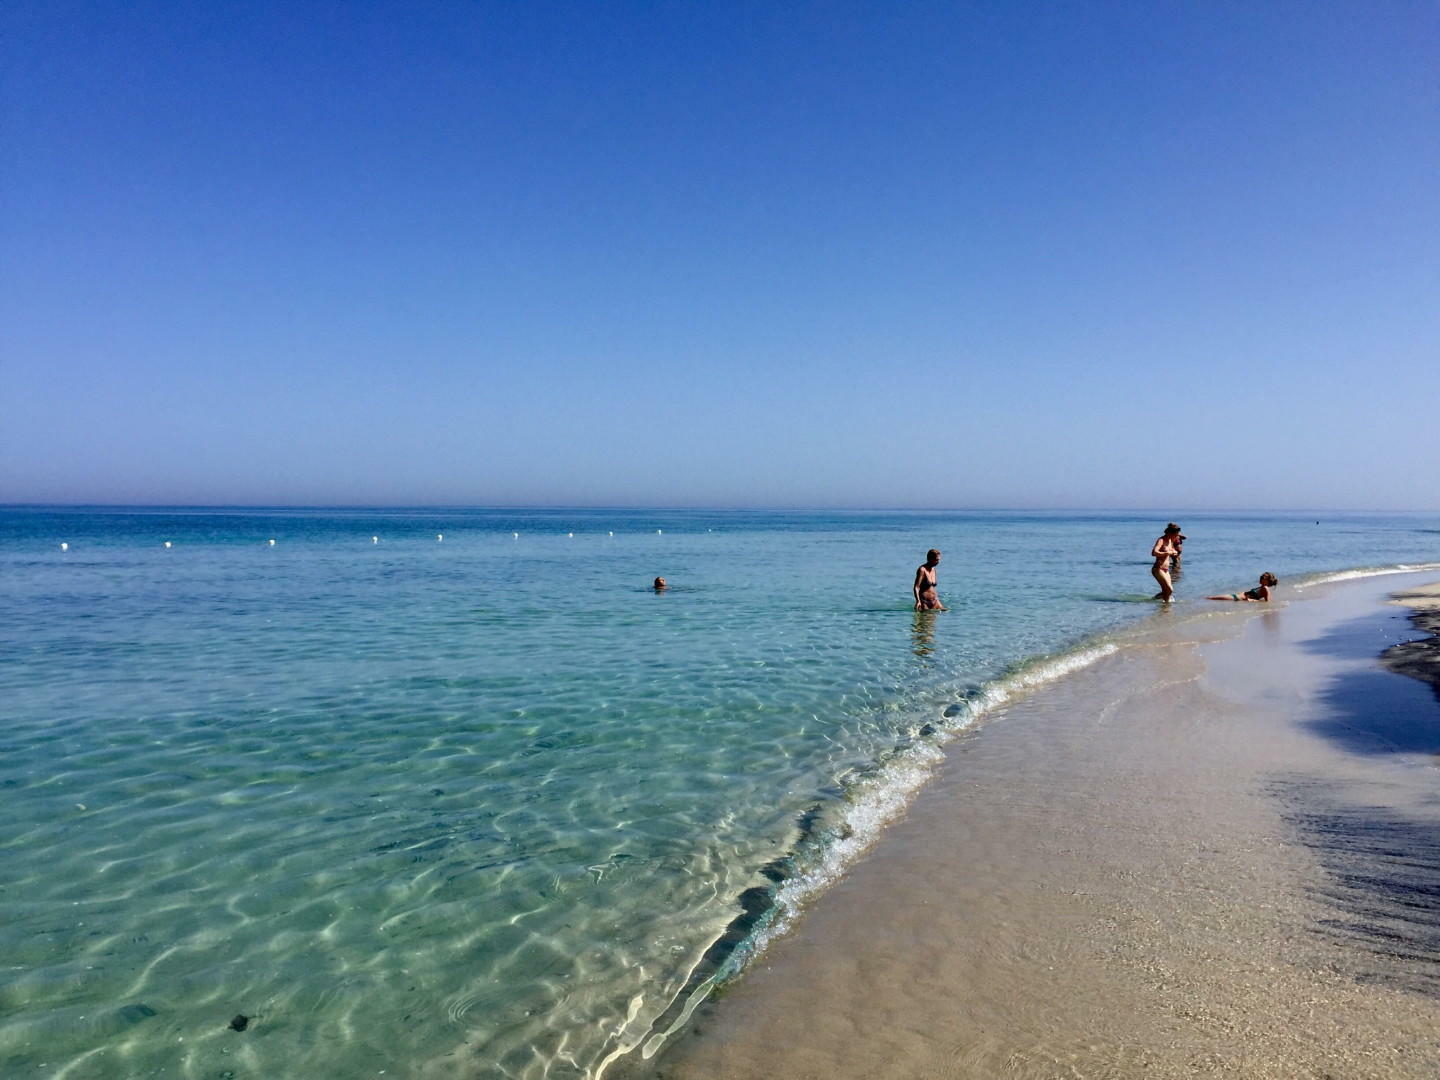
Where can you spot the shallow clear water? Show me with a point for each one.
(490, 806)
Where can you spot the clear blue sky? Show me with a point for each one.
(1165, 255)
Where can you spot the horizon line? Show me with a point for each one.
(759, 508)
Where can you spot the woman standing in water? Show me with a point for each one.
(926, 598)
(1161, 551)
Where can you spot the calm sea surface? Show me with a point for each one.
(489, 806)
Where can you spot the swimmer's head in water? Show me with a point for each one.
(659, 583)
(1268, 578)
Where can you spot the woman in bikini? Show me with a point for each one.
(1161, 551)
(926, 598)
(1261, 592)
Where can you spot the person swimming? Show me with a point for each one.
(660, 585)
(926, 597)
(1260, 592)
(1162, 551)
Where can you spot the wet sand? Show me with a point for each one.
(1419, 659)
(1215, 853)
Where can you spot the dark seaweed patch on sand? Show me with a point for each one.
(1419, 659)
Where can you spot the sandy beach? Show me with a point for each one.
(1212, 854)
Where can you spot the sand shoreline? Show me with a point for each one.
(1159, 866)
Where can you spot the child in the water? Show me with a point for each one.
(1261, 592)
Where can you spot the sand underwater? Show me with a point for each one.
(455, 793)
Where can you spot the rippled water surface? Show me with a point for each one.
(488, 805)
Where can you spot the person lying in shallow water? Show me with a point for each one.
(1261, 592)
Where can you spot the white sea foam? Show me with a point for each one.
(1036, 673)
(1364, 572)
(881, 797)
(872, 803)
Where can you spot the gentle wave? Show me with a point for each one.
(877, 797)
(1327, 577)
(872, 801)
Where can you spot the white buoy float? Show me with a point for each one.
(167, 543)
(272, 543)
(571, 535)
(439, 537)
(612, 534)
(374, 539)
(64, 546)
(659, 532)
(515, 535)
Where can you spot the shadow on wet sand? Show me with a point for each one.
(1383, 879)
(1372, 710)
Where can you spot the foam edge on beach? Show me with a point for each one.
(872, 799)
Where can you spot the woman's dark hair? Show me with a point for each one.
(931, 552)
(1268, 578)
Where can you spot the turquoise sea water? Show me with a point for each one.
(489, 806)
